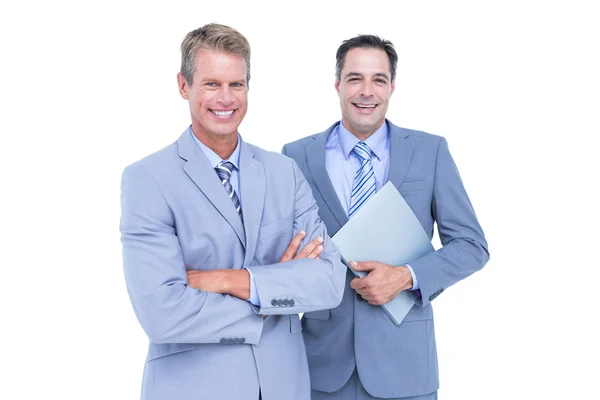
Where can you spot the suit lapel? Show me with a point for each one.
(252, 188)
(199, 170)
(315, 154)
(401, 151)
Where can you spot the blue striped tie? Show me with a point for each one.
(224, 171)
(364, 180)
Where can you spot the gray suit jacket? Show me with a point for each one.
(176, 215)
(392, 361)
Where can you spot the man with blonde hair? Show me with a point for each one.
(211, 228)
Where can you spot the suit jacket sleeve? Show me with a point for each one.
(464, 248)
(302, 285)
(168, 309)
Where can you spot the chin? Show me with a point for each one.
(225, 134)
(230, 129)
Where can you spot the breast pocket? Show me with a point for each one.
(412, 186)
(273, 228)
(273, 238)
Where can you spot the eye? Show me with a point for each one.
(381, 81)
(237, 85)
(211, 84)
(353, 80)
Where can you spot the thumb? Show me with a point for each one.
(362, 265)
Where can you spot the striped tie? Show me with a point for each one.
(224, 171)
(364, 180)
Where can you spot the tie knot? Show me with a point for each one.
(224, 169)
(362, 150)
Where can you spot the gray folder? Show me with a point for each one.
(385, 229)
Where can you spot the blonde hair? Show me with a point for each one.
(212, 37)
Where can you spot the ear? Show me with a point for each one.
(183, 86)
(393, 86)
(337, 86)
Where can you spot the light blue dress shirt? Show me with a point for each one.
(214, 160)
(342, 163)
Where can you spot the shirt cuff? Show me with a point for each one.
(254, 299)
(412, 273)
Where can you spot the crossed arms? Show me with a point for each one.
(172, 309)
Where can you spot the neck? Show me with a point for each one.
(222, 145)
(362, 134)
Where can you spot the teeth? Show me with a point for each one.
(223, 113)
(365, 106)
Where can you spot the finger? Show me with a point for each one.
(379, 300)
(289, 253)
(367, 298)
(370, 297)
(366, 291)
(316, 252)
(369, 264)
(306, 250)
(357, 284)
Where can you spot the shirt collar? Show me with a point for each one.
(377, 142)
(213, 158)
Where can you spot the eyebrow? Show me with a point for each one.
(356, 74)
(240, 80)
(352, 74)
(382, 75)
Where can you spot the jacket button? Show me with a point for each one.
(273, 302)
(280, 302)
(243, 340)
(292, 302)
(223, 340)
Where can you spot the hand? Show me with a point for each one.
(382, 283)
(311, 250)
(235, 282)
(207, 281)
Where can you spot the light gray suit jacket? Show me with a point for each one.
(392, 361)
(176, 215)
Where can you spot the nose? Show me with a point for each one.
(367, 89)
(225, 95)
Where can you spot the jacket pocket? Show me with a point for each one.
(322, 315)
(413, 185)
(275, 227)
(161, 350)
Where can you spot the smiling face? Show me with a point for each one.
(218, 96)
(365, 88)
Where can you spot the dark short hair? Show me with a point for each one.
(365, 42)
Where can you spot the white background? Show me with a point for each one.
(87, 88)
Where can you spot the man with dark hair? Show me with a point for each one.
(355, 352)
(210, 228)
